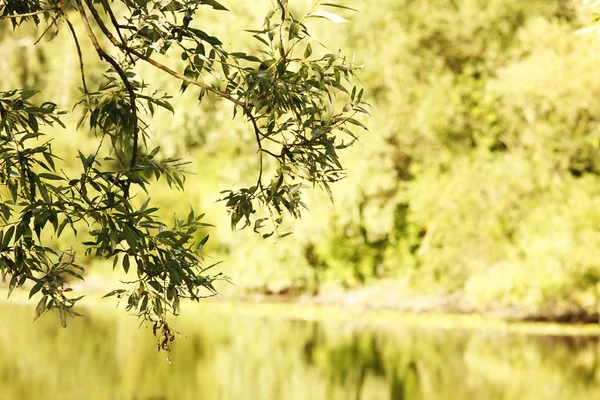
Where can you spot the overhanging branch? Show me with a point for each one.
(130, 90)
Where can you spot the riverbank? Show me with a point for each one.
(390, 318)
(396, 296)
(375, 305)
(244, 350)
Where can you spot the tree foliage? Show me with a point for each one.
(300, 109)
(483, 179)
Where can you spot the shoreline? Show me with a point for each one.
(306, 308)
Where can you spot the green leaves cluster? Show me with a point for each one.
(303, 110)
(167, 260)
(33, 201)
(300, 108)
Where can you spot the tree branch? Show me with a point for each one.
(47, 29)
(31, 14)
(271, 154)
(115, 23)
(103, 55)
(81, 67)
(257, 134)
(156, 64)
(86, 92)
(84, 81)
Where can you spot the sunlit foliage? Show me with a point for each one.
(300, 109)
(480, 176)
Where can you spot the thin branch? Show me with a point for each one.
(47, 29)
(81, 67)
(259, 186)
(271, 154)
(276, 141)
(86, 92)
(115, 23)
(257, 134)
(130, 27)
(269, 137)
(183, 77)
(31, 14)
(196, 297)
(132, 96)
(85, 89)
(88, 28)
(342, 121)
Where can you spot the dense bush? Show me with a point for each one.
(481, 173)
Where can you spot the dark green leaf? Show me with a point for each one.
(41, 307)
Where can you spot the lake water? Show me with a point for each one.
(229, 356)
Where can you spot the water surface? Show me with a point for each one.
(230, 356)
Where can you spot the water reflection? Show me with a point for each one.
(104, 356)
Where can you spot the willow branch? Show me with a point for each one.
(156, 64)
(275, 140)
(270, 153)
(31, 14)
(183, 77)
(47, 29)
(257, 134)
(81, 66)
(115, 23)
(86, 92)
(130, 90)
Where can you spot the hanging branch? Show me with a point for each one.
(279, 94)
(117, 26)
(257, 134)
(86, 92)
(130, 90)
(30, 14)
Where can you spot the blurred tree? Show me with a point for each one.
(296, 107)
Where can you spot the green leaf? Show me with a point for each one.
(63, 317)
(51, 177)
(214, 4)
(246, 57)
(8, 235)
(75, 274)
(338, 6)
(13, 284)
(308, 51)
(83, 160)
(36, 288)
(41, 307)
(114, 292)
(130, 238)
(144, 304)
(61, 227)
(126, 263)
(26, 94)
(204, 240)
(328, 15)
